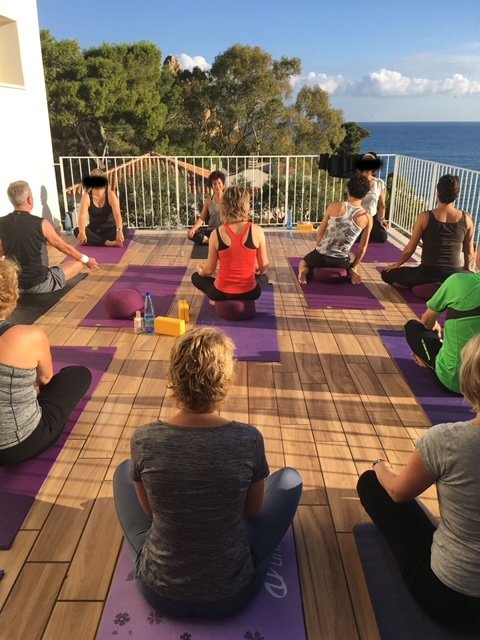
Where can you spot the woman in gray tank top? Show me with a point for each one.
(211, 211)
(35, 404)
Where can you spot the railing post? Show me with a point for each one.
(433, 186)
(287, 174)
(391, 211)
(64, 188)
(177, 192)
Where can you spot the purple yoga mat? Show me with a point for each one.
(417, 305)
(383, 252)
(108, 255)
(255, 339)
(162, 282)
(275, 614)
(439, 404)
(344, 295)
(20, 483)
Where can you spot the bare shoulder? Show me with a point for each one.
(335, 209)
(30, 333)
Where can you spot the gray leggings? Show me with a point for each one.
(283, 490)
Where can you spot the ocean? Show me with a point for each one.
(454, 143)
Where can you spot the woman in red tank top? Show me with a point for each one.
(239, 247)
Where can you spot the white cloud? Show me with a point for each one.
(389, 83)
(189, 62)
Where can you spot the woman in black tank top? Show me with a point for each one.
(101, 208)
(447, 242)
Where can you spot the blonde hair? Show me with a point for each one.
(470, 372)
(235, 204)
(9, 291)
(18, 192)
(201, 369)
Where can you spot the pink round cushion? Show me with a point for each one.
(235, 309)
(122, 303)
(426, 291)
(329, 274)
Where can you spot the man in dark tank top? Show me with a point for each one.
(24, 238)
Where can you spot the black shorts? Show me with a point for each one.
(316, 259)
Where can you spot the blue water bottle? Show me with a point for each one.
(68, 224)
(148, 314)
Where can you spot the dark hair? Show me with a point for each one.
(448, 188)
(358, 186)
(216, 175)
(369, 162)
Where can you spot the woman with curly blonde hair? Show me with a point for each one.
(35, 404)
(196, 503)
(239, 247)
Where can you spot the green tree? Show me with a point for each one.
(246, 92)
(104, 100)
(354, 136)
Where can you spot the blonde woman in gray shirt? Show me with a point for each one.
(440, 565)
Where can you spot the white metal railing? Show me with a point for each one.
(414, 190)
(168, 191)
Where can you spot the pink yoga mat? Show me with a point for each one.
(20, 483)
(275, 614)
(344, 295)
(162, 282)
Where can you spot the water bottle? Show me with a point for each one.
(290, 219)
(148, 314)
(68, 223)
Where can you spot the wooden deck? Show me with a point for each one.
(335, 402)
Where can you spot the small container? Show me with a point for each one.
(148, 314)
(138, 322)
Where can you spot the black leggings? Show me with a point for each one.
(412, 276)
(201, 233)
(98, 237)
(57, 400)
(207, 285)
(424, 342)
(408, 531)
(378, 232)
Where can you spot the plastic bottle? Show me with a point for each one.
(290, 219)
(138, 322)
(68, 223)
(148, 314)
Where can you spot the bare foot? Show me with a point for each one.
(302, 275)
(419, 361)
(113, 243)
(212, 302)
(204, 240)
(355, 278)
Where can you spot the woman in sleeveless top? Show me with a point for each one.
(101, 208)
(374, 201)
(447, 237)
(239, 247)
(211, 211)
(198, 508)
(34, 404)
(342, 223)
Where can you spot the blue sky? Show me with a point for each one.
(383, 61)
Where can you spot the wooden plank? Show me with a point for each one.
(96, 556)
(38, 585)
(326, 603)
(300, 453)
(74, 620)
(103, 438)
(64, 525)
(12, 561)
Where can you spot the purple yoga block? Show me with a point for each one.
(235, 309)
(329, 274)
(122, 303)
(426, 291)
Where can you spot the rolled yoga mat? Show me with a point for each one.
(20, 483)
(161, 282)
(344, 295)
(255, 339)
(275, 613)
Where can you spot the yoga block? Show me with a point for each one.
(426, 291)
(329, 274)
(169, 326)
(183, 310)
(305, 226)
(235, 309)
(122, 303)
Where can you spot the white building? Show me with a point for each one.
(25, 139)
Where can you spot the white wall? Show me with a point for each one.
(25, 140)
